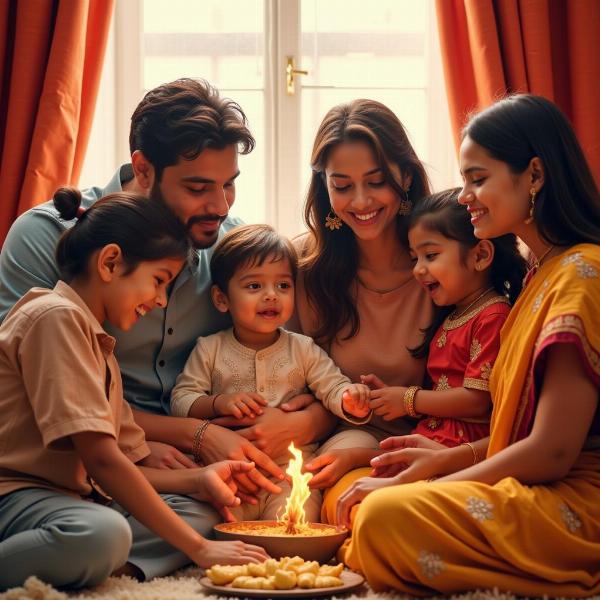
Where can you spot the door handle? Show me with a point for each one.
(290, 71)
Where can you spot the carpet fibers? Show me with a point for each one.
(184, 585)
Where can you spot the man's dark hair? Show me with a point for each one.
(181, 119)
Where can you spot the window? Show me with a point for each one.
(243, 47)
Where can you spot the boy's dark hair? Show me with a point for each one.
(144, 229)
(521, 127)
(181, 119)
(249, 245)
(443, 214)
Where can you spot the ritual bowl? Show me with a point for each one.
(318, 542)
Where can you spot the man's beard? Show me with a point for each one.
(199, 244)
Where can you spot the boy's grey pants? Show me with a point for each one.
(69, 542)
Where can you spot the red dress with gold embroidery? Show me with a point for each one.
(462, 354)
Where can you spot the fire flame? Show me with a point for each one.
(294, 516)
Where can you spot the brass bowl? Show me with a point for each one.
(320, 547)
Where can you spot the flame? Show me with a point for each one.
(294, 516)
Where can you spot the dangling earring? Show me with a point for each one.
(405, 204)
(533, 194)
(332, 221)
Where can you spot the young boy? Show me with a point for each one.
(257, 363)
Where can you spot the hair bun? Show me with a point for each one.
(67, 201)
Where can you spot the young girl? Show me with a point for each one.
(256, 363)
(472, 282)
(74, 507)
(526, 517)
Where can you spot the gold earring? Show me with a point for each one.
(332, 221)
(405, 204)
(533, 194)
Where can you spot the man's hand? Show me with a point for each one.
(164, 456)
(273, 431)
(218, 485)
(222, 444)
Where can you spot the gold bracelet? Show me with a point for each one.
(197, 442)
(409, 401)
(473, 450)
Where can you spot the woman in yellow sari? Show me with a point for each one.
(526, 518)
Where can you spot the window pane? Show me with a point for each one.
(223, 42)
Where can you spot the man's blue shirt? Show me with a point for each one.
(153, 352)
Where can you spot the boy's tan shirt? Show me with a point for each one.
(58, 377)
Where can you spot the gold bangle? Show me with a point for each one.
(474, 451)
(409, 401)
(197, 442)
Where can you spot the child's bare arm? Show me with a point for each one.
(116, 474)
(455, 402)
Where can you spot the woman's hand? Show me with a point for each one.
(165, 456)
(356, 493)
(409, 457)
(329, 467)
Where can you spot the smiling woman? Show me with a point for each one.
(356, 292)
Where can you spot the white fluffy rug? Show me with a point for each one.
(184, 586)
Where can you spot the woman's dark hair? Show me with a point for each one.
(181, 119)
(249, 245)
(330, 260)
(443, 214)
(521, 127)
(144, 230)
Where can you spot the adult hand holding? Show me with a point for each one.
(165, 456)
(218, 485)
(222, 444)
(410, 457)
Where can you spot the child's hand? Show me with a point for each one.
(239, 405)
(355, 400)
(388, 402)
(329, 467)
(372, 381)
(227, 553)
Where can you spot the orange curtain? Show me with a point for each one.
(51, 54)
(545, 47)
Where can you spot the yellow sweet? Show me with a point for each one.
(322, 581)
(223, 574)
(306, 580)
(333, 571)
(285, 580)
(272, 574)
(257, 569)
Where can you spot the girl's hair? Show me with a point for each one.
(144, 229)
(182, 118)
(249, 245)
(330, 260)
(443, 214)
(521, 127)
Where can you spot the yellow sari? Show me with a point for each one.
(448, 537)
